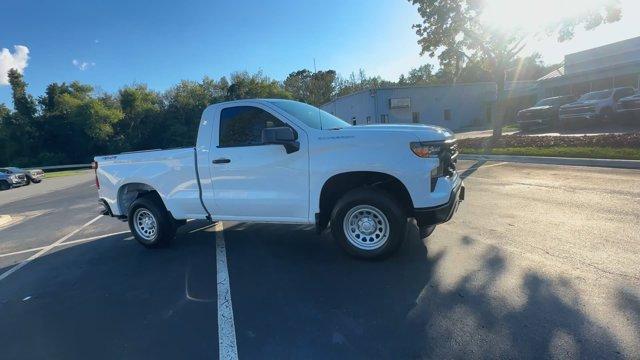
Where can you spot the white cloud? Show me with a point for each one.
(18, 60)
(82, 65)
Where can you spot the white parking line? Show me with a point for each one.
(64, 243)
(227, 347)
(46, 249)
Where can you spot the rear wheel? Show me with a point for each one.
(368, 223)
(150, 223)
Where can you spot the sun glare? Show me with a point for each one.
(530, 15)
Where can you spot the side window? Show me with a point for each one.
(623, 93)
(242, 125)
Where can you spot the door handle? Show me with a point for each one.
(221, 161)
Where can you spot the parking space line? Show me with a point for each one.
(46, 249)
(227, 347)
(93, 238)
(64, 243)
(22, 251)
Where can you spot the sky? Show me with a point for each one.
(109, 44)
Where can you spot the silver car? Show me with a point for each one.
(32, 175)
(8, 181)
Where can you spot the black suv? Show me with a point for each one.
(543, 114)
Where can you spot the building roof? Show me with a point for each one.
(422, 86)
(555, 73)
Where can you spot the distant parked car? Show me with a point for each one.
(8, 181)
(544, 113)
(593, 106)
(32, 176)
(629, 107)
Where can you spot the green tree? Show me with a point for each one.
(249, 86)
(454, 31)
(142, 113)
(21, 127)
(422, 75)
(5, 113)
(183, 106)
(360, 81)
(313, 88)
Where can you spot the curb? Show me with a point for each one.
(609, 163)
(4, 220)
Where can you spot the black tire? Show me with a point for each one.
(36, 181)
(28, 181)
(426, 231)
(607, 115)
(376, 201)
(4, 185)
(165, 229)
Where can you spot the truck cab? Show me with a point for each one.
(282, 161)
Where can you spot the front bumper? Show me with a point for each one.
(441, 213)
(586, 115)
(18, 183)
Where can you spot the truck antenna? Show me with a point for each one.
(315, 72)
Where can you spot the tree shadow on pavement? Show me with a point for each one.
(331, 306)
(472, 318)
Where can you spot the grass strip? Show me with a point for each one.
(50, 175)
(575, 152)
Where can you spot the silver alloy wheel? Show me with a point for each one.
(366, 227)
(145, 224)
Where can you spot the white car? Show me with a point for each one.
(281, 161)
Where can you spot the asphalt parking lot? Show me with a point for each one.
(540, 261)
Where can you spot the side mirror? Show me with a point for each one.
(281, 136)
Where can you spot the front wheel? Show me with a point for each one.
(368, 223)
(150, 223)
(426, 231)
(4, 185)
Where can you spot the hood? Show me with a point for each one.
(421, 132)
(631, 98)
(537, 108)
(584, 102)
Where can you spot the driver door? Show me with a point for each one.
(254, 181)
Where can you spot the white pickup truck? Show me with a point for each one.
(282, 161)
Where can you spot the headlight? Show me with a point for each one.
(426, 149)
(14, 177)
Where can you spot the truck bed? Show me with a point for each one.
(169, 172)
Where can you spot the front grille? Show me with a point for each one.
(577, 110)
(22, 177)
(532, 115)
(630, 104)
(449, 157)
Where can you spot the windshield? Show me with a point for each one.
(548, 102)
(310, 115)
(596, 95)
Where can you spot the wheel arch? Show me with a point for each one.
(339, 184)
(128, 193)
